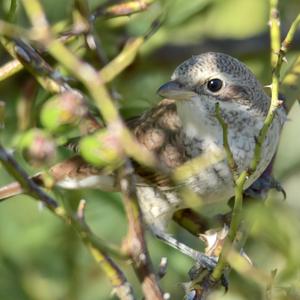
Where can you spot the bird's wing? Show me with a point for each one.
(159, 130)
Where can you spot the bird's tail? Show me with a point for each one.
(15, 188)
(10, 190)
(73, 173)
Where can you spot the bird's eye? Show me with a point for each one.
(214, 85)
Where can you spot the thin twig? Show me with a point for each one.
(82, 71)
(231, 162)
(163, 266)
(276, 62)
(92, 39)
(89, 77)
(12, 10)
(10, 30)
(15, 170)
(286, 44)
(122, 287)
(121, 9)
(2, 115)
(93, 243)
(10, 69)
(135, 244)
(122, 61)
(291, 84)
(34, 63)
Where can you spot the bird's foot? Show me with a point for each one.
(201, 281)
(200, 277)
(260, 187)
(214, 241)
(202, 259)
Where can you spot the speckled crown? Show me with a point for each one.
(200, 68)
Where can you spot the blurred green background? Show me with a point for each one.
(41, 258)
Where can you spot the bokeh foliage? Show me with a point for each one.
(41, 258)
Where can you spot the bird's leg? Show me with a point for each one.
(200, 279)
(201, 258)
(260, 188)
(199, 226)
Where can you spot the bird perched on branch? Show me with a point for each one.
(183, 127)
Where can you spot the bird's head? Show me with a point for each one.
(204, 80)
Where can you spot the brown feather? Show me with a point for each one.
(158, 129)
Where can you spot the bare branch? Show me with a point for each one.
(10, 69)
(121, 9)
(135, 244)
(15, 170)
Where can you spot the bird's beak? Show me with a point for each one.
(176, 91)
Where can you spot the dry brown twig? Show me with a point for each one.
(135, 244)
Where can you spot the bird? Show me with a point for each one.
(182, 127)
